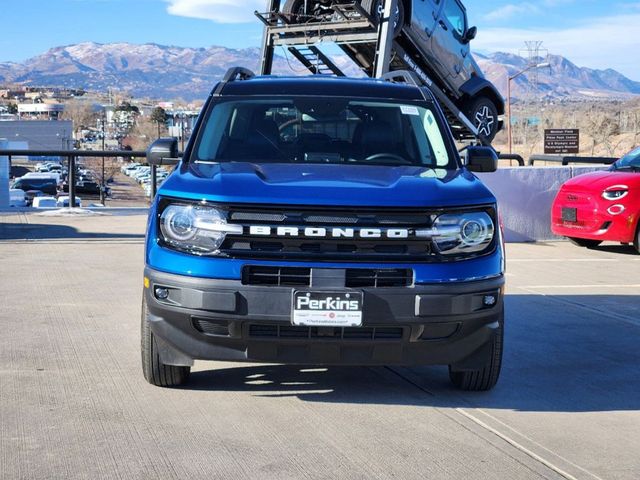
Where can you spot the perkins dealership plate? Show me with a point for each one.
(327, 308)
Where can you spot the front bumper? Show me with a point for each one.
(209, 319)
(594, 220)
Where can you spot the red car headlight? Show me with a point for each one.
(616, 192)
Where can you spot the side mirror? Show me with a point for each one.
(163, 151)
(470, 34)
(481, 159)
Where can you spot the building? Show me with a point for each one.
(37, 135)
(47, 110)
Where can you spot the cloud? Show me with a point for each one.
(221, 11)
(511, 10)
(596, 43)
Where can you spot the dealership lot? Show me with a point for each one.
(73, 403)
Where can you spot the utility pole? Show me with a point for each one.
(510, 79)
(103, 199)
(182, 130)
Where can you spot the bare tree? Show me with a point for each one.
(81, 113)
(102, 170)
(142, 134)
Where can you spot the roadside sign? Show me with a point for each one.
(561, 141)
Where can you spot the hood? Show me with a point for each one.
(601, 180)
(331, 185)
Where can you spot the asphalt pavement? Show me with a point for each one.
(74, 405)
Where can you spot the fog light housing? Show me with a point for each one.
(489, 300)
(161, 293)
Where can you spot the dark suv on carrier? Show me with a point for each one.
(439, 31)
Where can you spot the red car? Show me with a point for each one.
(601, 206)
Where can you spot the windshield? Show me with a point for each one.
(631, 161)
(323, 130)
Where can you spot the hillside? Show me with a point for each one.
(159, 71)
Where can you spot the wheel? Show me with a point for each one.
(294, 10)
(484, 115)
(156, 372)
(375, 9)
(485, 378)
(316, 10)
(584, 242)
(636, 242)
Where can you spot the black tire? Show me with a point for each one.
(636, 242)
(156, 372)
(485, 378)
(374, 7)
(483, 113)
(293, 10)
(584, 242)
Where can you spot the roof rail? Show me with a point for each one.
(403, 76)
(232, 75)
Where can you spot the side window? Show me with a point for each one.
(455, 16)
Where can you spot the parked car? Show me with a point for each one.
(45, 202)
(17, 198)
(601, 206)
(64, 202)
(88, 188)
(31, 195)
(440, 31)
(45, 185)
(323, 221)
(18, 171)
(44, 175)
(129, 167)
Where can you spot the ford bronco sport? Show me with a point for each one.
(323, 221)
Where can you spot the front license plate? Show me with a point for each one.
(327, 308)
(569, 214)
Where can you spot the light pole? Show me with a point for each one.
(103, 199)
(513, 77)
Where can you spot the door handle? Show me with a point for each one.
(443, 25)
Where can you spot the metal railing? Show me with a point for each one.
(512, 157)
(565, 160)
(73, 155)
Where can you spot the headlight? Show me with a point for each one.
(455, 234)
(195, 229)
(616, 192)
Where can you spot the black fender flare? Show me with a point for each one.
(477, 85)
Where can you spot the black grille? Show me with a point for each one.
(343, 248)
(325, 333)
(280, 276)
(301, 277)
(379, 278)
(218, 328)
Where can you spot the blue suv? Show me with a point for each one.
(323, 221)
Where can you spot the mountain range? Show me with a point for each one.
(167, 72)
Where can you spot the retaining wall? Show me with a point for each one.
(525, 196)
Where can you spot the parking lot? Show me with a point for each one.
(74, 404)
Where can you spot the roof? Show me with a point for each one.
(322, 85)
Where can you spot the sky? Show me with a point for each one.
(591, 33)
